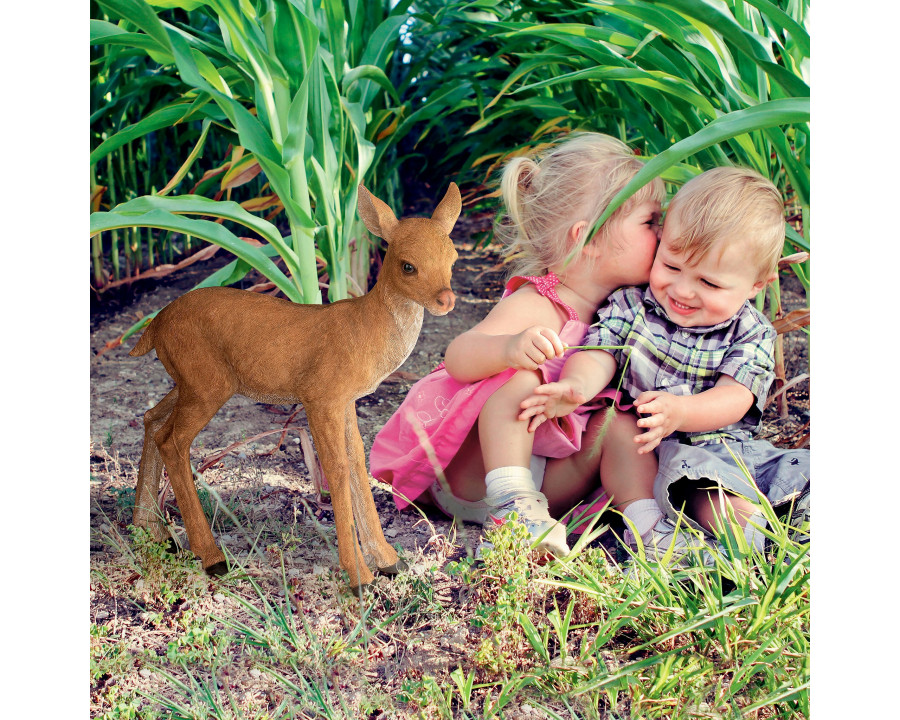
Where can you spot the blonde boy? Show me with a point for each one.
(700, 357)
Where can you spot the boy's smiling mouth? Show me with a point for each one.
(680, 308)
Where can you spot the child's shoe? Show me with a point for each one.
(547, 534)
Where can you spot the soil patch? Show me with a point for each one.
(265, 482)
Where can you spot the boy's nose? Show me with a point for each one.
(684, 289)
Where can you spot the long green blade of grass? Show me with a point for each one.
(205, 229)
(784, 111)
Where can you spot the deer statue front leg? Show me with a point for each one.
(329, 437)
(376, 550)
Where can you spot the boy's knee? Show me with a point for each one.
(615, 425)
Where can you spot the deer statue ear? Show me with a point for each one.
(447, 212)
(377, 216)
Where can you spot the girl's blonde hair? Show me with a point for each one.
(730, 204)
(546, 195)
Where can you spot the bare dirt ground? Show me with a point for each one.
(265, 482)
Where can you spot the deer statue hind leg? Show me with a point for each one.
(147, 513)
(192, 411)
(376, 550)
(327, 423)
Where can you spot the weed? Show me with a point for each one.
(109, 656)
(124, 497)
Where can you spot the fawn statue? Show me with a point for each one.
(215, 342)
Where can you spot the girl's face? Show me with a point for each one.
(632, 246)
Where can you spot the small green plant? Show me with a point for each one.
(198, 641)
(109, 656)
(124, 497)
(503, 586)
(166, 576)
(125, 705)
(427, 696)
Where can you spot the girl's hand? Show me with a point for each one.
(551, 400)
(532, 347)
(667, 413)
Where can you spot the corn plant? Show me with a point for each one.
(293, 81)
(703, 83)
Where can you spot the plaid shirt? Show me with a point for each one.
(687, 361)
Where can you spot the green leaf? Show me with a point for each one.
(186, 165)
(162, 118)
(372, 73)
(142, 15)
(204, 229)
(656, 80)
(785, 111)
(225, 209)
(106, 33)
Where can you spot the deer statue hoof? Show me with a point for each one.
(398, 567)
(217, 569)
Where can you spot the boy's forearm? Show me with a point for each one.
(713, 409)
(590, 371)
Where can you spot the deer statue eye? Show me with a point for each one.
(408, 268)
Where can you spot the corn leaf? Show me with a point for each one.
(204, 229)
(786, 111)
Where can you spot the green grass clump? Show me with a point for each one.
(577, 637)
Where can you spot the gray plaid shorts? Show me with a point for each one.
(778, 474)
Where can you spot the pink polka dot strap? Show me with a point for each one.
(546, 286)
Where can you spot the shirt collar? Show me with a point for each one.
(654, 305)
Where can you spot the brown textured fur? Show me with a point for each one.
(216, 342)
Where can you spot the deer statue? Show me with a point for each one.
(215, 342)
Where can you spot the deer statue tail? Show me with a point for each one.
(145, 344)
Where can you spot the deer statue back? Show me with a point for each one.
(215, 342)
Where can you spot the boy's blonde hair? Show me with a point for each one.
(727, 204)
(574, 181)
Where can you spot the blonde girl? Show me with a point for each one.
(457, 440)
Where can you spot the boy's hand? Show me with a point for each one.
(532, 347)
(667, 413)
(549, 401)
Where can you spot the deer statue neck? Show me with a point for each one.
(406, 314)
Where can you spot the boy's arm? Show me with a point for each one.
(584, 375)
(713, 409)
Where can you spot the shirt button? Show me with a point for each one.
(684, 333)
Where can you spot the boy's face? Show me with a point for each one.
(707, 292)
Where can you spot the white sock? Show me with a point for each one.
(644, 514)
(754, 535)
(508, 480)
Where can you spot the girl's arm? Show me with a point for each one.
(584, 375)
(520, 332)
(713, 409)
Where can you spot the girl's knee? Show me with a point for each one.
(517, 388)
(523, 381)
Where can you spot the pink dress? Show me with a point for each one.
(438, 412)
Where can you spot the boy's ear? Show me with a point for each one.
(754, 291)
